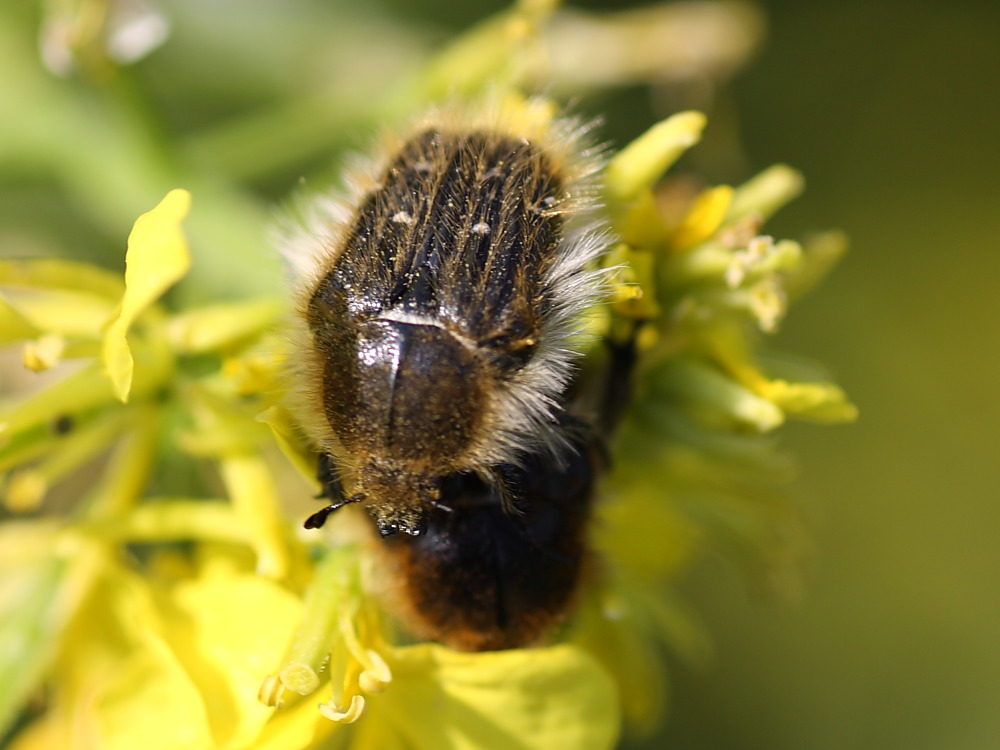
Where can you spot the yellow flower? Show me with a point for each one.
(176, 604)
(140, 641)
(170, 648)
(121, 637)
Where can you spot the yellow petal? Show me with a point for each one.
(638, 166)
(823, 402)
(13, 324)
(289, 440)
(151, 704)
(168, 520)
(58, 273)
(213, 327)
(233, 439)
(704, 218)
(555, 698)
(255, 497)
(128, 687)
(157, 258)
(229, 630)
(259, 371)
(642, 225)
(798, 387)
(765, 193)
(297, 727)
(115, 679)
(79, 314)
(700, 383)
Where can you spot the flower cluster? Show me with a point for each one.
(166, 597)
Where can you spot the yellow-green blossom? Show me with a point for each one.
(175, 602)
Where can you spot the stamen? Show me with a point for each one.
(349, 715)
(271, 691)
(377, 675)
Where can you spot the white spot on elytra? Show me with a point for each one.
(402, 217)
(543, 205)
(481, 228)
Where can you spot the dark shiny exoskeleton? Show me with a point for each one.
(439, 333)
(486, 576)
(436, 301)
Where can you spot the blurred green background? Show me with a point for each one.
(892, 112)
